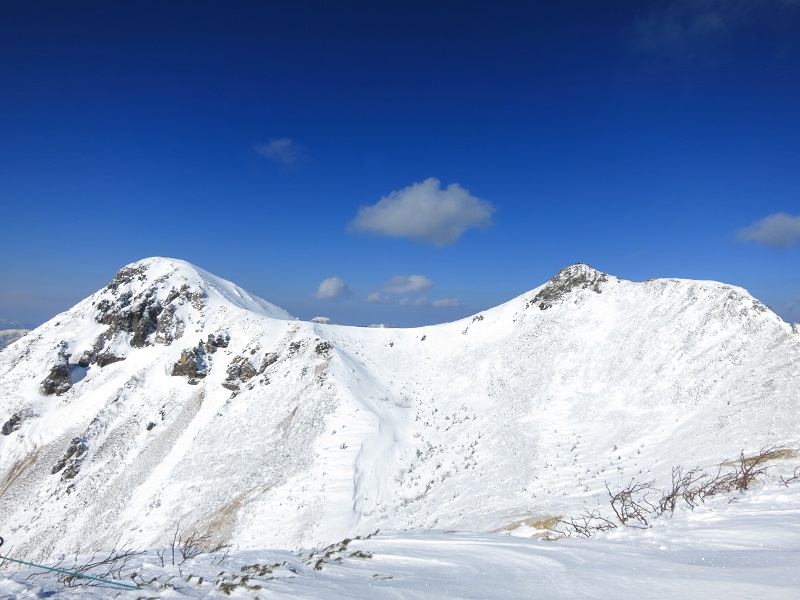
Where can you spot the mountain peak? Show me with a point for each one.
(170, 277)
(154, 301)
(577, 276)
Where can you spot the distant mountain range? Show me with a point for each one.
(11, 331)
(174, 398)
(6, 324)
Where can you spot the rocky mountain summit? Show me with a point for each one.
(172, 397)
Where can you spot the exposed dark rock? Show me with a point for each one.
(218, 341)
(85, 359)
(168, 326)
(143, 314)
(574, 277)
(70, 463)
(150, 426)
(106, 358)
(192, 364)
(295, 347)
(137, 316)
(323, 348)
(99, 354)
(127, 274)
(270, 358)
(241, 370)
(173, 294)
(14, 423)
(59, 381)
(185, 293)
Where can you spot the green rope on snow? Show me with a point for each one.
(22, 562)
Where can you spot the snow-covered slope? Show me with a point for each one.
(746, 549)
(173, 398)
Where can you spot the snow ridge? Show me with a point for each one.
(172, 396)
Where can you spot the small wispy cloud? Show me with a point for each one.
(691, 28)
(378, 298)
(446, 303)
(779, 230)
(425, 301)
(678, 26)
(282, 150)
(331, 289)
(407, 284)
(420, 301)
(425, 212)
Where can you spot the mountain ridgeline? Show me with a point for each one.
(172, 398)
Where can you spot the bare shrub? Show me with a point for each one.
(113, 566)
(684, 487)
(749, 470)
(795, 476)
(586, 525)
(632, 506)
(186, 545)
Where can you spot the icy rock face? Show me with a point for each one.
(293, 433)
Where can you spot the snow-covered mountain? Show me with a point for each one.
(174, 398)
(9, 336)
(11, 331)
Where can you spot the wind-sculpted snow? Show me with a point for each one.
(745, 549)
(189, 402)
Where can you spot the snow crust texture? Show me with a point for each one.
(172, 397)
(741, 550)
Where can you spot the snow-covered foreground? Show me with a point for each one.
(748, 548)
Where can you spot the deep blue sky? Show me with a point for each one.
(639, 137)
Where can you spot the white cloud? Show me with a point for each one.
(282, 150)
(407, 284)
(425, 212)
(446, 302)
(330, 289)
(779, 230)
(420, 301)
(378, 298)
